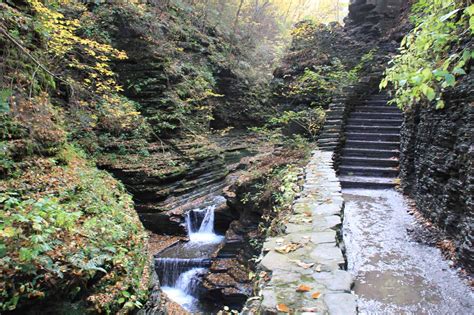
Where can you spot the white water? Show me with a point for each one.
(204, 233)
(182, 291)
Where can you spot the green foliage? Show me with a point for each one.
(364, 61)
(283, 197)
(54, 242)
(311, 120)
(286, 194)
(432, 56)
(5, 94)
(321, 80)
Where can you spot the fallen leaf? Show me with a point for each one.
(285, 249)
(303, 288)
(283, 308)
(318, 268)
(316, 295)
(304, 265)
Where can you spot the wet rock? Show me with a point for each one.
(155, 304)
(341, 303)
(437, 165)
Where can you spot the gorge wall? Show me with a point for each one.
(437, 165)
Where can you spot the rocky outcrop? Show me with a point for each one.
(371, 19)
(323, 50)
(165, 182)
(437, 154)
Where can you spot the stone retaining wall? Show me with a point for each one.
(311, 252)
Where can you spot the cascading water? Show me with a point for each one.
(181, 268)
(184, 290)
(200, 225)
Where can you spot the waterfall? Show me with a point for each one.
(185, 289)
(169, 270)
(200, 226)
(180, 272)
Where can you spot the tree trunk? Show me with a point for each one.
(237, 15)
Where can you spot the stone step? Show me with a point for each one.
(328, 140)
(329, 135)
(367, 182)
(376, 115)
(334, 113)
(328, 148)
(379, 109)
(383, 154)
(367, 144)
(373, 129)
(375, 122)
(332, 127)
(395, 137)
(377, 102)
(378, 97)
(368, 171)
(369, 161)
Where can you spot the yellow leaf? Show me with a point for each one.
(283, 308)
(285, 249)
(316, 295)
(303, 288)
(9, 231)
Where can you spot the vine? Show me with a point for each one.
(431, 56)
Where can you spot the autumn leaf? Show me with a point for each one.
(285, 249)
(283, 308)
(303, 264)
(303, 288)
(316, 295)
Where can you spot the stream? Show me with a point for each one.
(394, 273)
(180, 267)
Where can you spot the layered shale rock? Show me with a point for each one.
(437, 155)
(166, 183)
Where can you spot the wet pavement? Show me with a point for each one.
(394, 274)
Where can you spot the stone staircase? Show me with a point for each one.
(370, 157)
(333, 126)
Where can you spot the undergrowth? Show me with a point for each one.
(434, 55)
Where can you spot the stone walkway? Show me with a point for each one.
(309, 256)
(394, 272)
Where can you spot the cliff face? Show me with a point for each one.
(437, 155)
(183, 75)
